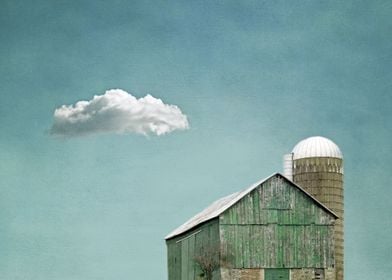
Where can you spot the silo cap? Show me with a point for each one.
(316, 146)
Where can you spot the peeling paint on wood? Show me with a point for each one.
(276, 225)
(183, 249)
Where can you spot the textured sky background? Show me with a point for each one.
(253, 78)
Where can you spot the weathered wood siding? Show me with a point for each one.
(182, 250)
(278, 226)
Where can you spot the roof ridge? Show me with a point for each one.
(210, 212)
(222, 204)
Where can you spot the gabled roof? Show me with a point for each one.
(221, 205)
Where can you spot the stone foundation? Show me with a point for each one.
(242, 274)
(258, 274)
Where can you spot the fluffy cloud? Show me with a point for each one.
(119, 112)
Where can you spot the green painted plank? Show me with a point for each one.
(255, 242)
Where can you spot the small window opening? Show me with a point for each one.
(319, 274)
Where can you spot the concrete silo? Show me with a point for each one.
(316, 164)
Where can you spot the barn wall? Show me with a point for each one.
(242, 274)
(183, 249)
(259, 274)
(302, 274)
(277, 225)
(309, 274)
(330, 274)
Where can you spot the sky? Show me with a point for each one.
(231, 85)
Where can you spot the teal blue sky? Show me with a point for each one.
(253, 78)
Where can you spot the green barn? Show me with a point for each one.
(272, 230)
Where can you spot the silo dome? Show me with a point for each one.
(316, 146)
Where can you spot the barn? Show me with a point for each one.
(271, 230)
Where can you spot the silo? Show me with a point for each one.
(316, 164)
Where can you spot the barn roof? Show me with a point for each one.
(221, 205)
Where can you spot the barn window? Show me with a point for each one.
(319, 274)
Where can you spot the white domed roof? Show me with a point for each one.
(316, 146)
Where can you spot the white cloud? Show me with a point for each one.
(119, 112)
